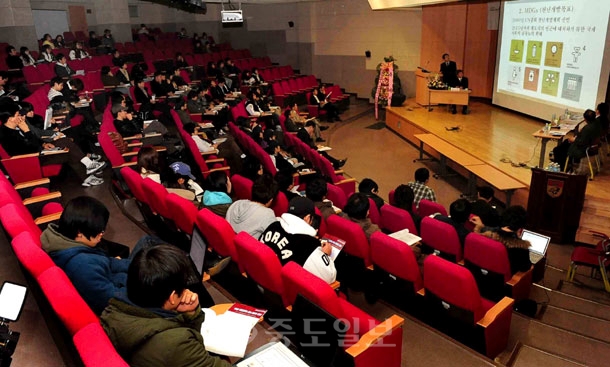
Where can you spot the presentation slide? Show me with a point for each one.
(553, 55)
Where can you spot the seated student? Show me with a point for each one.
(72, 243)
(252, 168)
(180, 62)
(26, 56)
(13, 60)
(59, 41)
(305, 134)
(228, 149)
(285, 184)
(258, 78)
(47, 54)
(321, 100)
(459, 212)
(176, 79)
(160, 86)
(107, 41)
(117, 60)
(421, 191)
(123, 74)
(159, 320)
(403, 199)
(254, 216)
(47, 40)
(62, 70)
(216, 196)
(294, 122)
(293, 238)
(589, 134)
(78, 53)
(180, 177)
(509, 232)
(16, 138)
(483, 209)
(204, 145)
(94, 41)
(316, 190)
(128, 125)
(280, 163)
(149, 104)
(108, 79)
(357, 210)
(370, 188)
(149, 164)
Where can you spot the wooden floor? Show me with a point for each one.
(491, 134)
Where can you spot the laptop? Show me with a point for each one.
(199, 248)
(539, 244)
(48, 118)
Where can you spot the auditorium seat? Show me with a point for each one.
(597, 259)
(242, 187)
(394, 219)
(218, 233)
(94, 347)
(353, 261)
(442, 237)
(488, 262)
(183, 211)
(374, 214)
(454, 306)
(29, 253)
(280, 204)
(427, 207)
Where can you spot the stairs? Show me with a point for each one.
(595, 216)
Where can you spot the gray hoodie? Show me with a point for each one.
(249, 216)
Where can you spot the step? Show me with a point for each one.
(570, 302)
(595, 294)
(526, 356)
(564, 343)
(595, 221)
(576, 322)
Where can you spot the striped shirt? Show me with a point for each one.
(53, 93)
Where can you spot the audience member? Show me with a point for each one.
(370, 188)
(117, 60)
(128, 125)
(47, 55)
(180, 62)
(183, 179)
(26, 57)
(285, 183)
(62, 69)
(13, 60)
(459, 212)
(160, 86)
(254, 216)
(108, 79)
(509, 233)
(293, 238)
(252, 168)
(94, 41)
(108, 40)
(149, 164)
(159, 320)
(483, 209)
(357, 210)
(305, 134)
(123, 75)
(78, 53)
(316, 190)
(421, 191)
(321, 100)
(216, 196)
(47, 40)
(403, 199)
(59, 41)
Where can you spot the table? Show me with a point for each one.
(450, 97)
(495, 178)
(554, 134)
(445, 150)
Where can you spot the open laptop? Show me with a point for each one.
(539, 244)
(199, 248)
(48, 118)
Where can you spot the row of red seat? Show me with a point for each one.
(90, 340)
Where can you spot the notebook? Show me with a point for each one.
(539, 244)
(199, 247)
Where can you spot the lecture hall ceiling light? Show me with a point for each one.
(393, 4)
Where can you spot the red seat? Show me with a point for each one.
(454, 305)
(384, 349)
(155, 194)
(16, 219)
(488, 262)
(374, 212)
(396, 272)
(356, 243)
(427, 207)
(280, 204)
(183, 212)
(30, 255)
(204, 169)
(597, 258)
(336, 195)
(94, 347)
(65, 299)
(442, 237)
(262, 266)
(218, 233)
(395, 219)
(242, 187)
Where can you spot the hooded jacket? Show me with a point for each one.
(156, 337)
(95, 275)
(249, 216)
(217, 201)
(292, 239)
(517, 249)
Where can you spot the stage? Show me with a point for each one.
(493, 135)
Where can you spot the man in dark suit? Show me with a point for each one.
(448, 69)
(161, 87)
(460, 82)
(305, 134)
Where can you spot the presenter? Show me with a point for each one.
(448, 69)
(460, 82)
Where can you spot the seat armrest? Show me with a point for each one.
(217, 160)
(46, 219)
(335, 285)
(494, 312)
(33, 183)
(126, 164)
(375, 334)
(42, 198)
(218, 169)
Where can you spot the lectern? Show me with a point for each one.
(555, 202)
(421, 87)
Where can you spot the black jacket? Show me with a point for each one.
(16, 142)
(305, 138)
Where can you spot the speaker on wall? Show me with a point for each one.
(291, 24)
(367, 53)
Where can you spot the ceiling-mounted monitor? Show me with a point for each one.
(231, 16)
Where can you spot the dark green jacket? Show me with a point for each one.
(585, 138)
(165, 338)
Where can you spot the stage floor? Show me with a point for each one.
(491, 134)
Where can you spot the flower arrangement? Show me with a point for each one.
(435, 82)
(382, 92)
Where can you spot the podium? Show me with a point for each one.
(422, 97)
(555, 203)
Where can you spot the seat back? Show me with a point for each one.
(442, 237)
(242, 187)
(395, 219)
(356, 243)
(488, 262)
(280, 204)
(183, 212)
(427, 207)
(374, 212)
(30, 255)
(452, 288)
(218, 233)
(155, 197)
(94, 347)
(134, 182)
(397, 259)
(16, 219)
(263, 265)
(336, 195)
